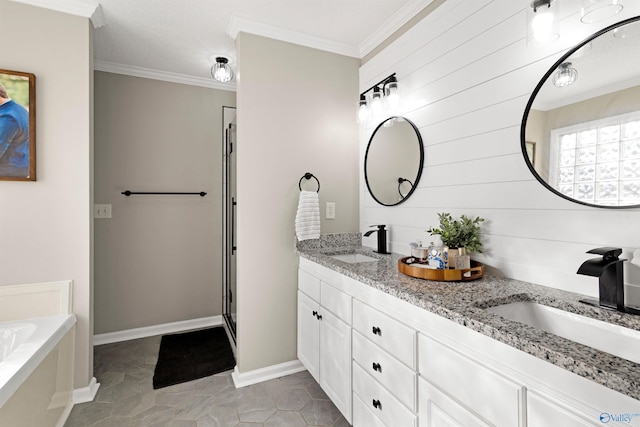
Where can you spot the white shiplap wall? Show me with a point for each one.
(466, 73)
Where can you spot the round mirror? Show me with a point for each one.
(393, 161)
(580, 132)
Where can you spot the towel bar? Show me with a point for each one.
(129, 193)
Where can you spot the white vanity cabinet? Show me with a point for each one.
(324, 338)
(395, 364)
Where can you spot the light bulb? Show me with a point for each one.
(363, 111)
(376, 101)
(565, 76)
(542, 18)
(391, 92)
(542, 26)
(221, 70)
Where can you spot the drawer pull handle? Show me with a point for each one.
(319, 316)
(376, 331)
(315, 313)
(377, 367)
(377, 404)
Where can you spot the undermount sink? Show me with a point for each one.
(613, 339)
(354, 258)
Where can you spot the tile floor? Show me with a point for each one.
(126, 397)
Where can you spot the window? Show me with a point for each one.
(598, 161)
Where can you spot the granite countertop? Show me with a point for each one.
(464, 303)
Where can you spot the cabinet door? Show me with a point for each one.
(309, 334)
(543, 413)
(486, 392)
(335, 361)
(439, 410)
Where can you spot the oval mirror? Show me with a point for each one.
(580, 132)
(393, 161)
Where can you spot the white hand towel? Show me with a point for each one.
(308, 216)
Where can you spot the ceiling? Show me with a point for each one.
(178, 40)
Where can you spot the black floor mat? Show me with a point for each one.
(192, 355)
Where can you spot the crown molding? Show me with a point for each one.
(393, 24)
(148, 73)
(238, 24)
(87, 8)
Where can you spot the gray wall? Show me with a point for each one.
(296, 114)
(158, 260)
(45, 226)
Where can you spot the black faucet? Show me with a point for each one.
(382, 238)
(609, 270)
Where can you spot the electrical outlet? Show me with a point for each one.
(330, 212)
(102, 211)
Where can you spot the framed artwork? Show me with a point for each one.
(17, 126)
(531, 152)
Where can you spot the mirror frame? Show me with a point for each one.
(417, 178)
(544, 79)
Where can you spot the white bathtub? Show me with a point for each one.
(24, 344)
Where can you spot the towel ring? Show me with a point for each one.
(308, 175)
(400, 181)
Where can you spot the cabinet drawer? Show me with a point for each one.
(482, 390)
(309, 284)
(362, 415)
(336, 302)
(396, 377)
(386, 407)
(398, 339)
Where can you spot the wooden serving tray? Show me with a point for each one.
(475, 272)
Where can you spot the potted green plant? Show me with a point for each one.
(462, 234)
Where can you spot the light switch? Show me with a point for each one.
(102, 211)
(330, 211)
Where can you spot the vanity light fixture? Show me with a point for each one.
(387, 90)
(221, 70)
(565, 76)
(599, 10)
(542, 21)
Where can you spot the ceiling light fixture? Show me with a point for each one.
(542, 21)
(221, 70)
(599, 10)
(565, 76)
(374, 105)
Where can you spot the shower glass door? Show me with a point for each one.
(229, 216)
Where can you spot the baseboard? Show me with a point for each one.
(86, 394)
(65, 415)
(149, 331)
(264, 374)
